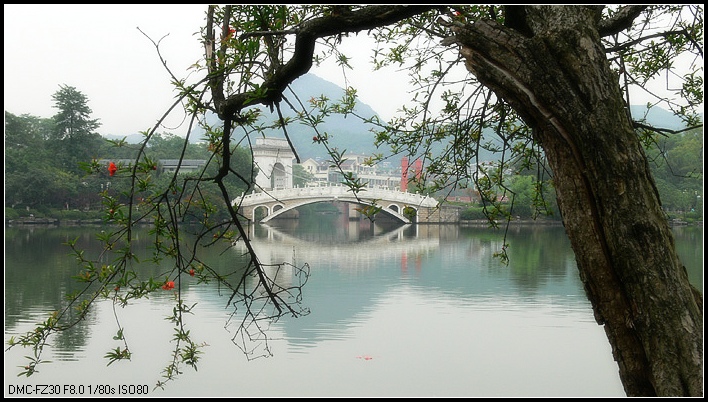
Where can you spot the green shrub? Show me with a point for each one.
(472, 213)
(11, 213)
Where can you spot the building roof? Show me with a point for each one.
(184, 163)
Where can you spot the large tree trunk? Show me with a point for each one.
(549, 64)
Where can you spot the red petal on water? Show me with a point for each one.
(365, 357)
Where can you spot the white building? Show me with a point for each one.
(372, 175)
(274, 160)
(318, 169)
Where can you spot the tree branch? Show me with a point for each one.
(621, 20)
(628, 45)
(369, 17)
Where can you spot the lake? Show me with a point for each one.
(396, 311)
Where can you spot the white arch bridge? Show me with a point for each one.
(393, 202)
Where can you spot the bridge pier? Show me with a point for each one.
(352, 211)
(441, 214)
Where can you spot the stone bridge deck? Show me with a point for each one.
(279, 201)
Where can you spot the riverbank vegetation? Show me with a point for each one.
(37, 190)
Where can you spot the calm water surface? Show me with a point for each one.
(396, 311)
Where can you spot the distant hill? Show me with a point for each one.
(346, 133)
(355, 136)
(657, 117)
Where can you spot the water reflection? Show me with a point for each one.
(446, 260)
(429, 304)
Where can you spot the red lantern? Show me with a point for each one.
(112, 168)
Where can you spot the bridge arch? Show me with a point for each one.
(279, 178)
(403, 206)
(259, 211)
(279, 209)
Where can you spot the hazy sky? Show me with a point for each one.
(98, 50)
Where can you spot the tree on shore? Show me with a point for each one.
(26, 178)
(552, 82)
(74, 129)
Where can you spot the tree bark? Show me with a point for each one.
(549, 64)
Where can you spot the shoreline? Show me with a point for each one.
(475, 222)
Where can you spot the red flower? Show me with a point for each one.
(191, 272)
(169, 285)
(112, 168)
(231, 33)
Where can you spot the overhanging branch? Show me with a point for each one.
(369, 17)
(621, 20)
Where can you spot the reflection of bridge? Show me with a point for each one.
(392, 202)
(276, 247)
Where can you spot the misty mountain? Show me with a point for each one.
(349, 133)
(656, 117)
(346, 133)
(352, 135)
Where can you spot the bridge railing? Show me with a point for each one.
(337, 190)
